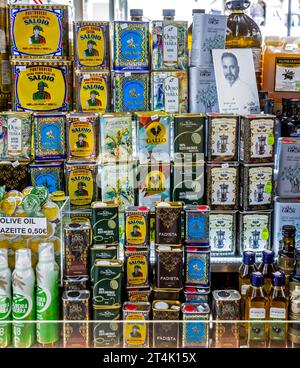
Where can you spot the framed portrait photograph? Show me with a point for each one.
(236, 81)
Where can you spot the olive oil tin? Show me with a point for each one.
(169, 92)
(131, 91)
(76, 308)
(222, 233)
(49, 175)
(15, 137)
(223, 186)
(81, 136)
(117, 184)
(226, 305)
(14, 177)
(131, 45)
(169, 45)
(75, 283)
(107, 282)
(115, 144)
(196, 325)
(41, 85)
(137, 267)
(139, 295)
(39, 31)
(77, 244)
(153, 137)
(105, 222)
(101, 252)
(194, 294)
(287, 168)
(81, 183)
(196, 229)
(166, 294)
(91, 45)
(256, 187)
(154, 183)
(137, 226)
(257, 138)
(197, 266)
(93, 91)
(106, 333)
(189, 134)
(135, 328)
(286, 212)
(168, 267)
(166, 334)
(222, 137)
(168, 222)
(49, 136)
(188, 183)
(255, 231)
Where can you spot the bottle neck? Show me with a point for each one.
(136, 19)
(169, 18)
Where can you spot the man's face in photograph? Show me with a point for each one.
(230, 69)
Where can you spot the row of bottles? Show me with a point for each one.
(22, 302)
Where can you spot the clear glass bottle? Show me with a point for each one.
(190, 30)
(267, 267)
(243, 32)
(278, 311)
(257, 309)
(286, 253)
(247, 267)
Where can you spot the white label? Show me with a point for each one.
(15, 164)
(277, 313)
(154, 117)
(127, 74)
(170, 44)
(124, 26)
(14, 143)
(257, 313)
(244, 289)
(287, 75)
(171, 85)
(23, 226)
(86, 76)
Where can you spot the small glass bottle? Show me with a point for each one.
(286, 253)
(267, 267)
(247, 267)
(278, 311)
(136, 15)
(190, 29)
(257, 307)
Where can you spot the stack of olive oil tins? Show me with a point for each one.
(5, 80)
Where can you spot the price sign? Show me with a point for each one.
(23, 226)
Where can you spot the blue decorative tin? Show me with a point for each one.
(197, 267)
(197, 225)
(48, 175)
(49, 136)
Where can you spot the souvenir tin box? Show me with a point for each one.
(39, 31)
(168, 222)
(105, 222)
(197, 266)
(137, 232)
(168, 267)
(41, 85)
(137, 267)
(14, 177)
(49, 175)
(196, 225)
(91, 45)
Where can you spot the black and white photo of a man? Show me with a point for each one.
(238, 94)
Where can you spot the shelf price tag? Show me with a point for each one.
(23, 225)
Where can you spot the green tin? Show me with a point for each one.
(105, 222)
(101, 252)
(107, 282)
(106, 333)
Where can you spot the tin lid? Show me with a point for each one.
(75, 279)
(168, 204)
(108, 262)
(195, 290)
(103, 204)
(76, 295)
(200, 208)
(226, 295)
(106, 247)
(58, 195)
(131, 307)
(137, 208)
(137, 306)
(161, 305)
(199, 308)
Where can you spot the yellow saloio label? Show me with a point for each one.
(37, 32)
(137, 270)
(81, 139)
(136, 229)
(41, 88)
(81, 187)
(155, 181)
(93, 94)
(90, 46)
(135, 333)
(156, 133)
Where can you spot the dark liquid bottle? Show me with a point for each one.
(292, 123)
(267, 267)
(286, 254)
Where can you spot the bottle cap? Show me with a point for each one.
(46, 252)
(198, 11)
(248, 257)
(136, 12)
(257, 279)
(168, 12)
(288, 231)
(3, 258)
(23, 258)
(237, 5)
(278, 278)
(268, 256)
(58, 195)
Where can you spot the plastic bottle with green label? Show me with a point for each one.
(5, 300)
(47, 295)
(23, 303)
